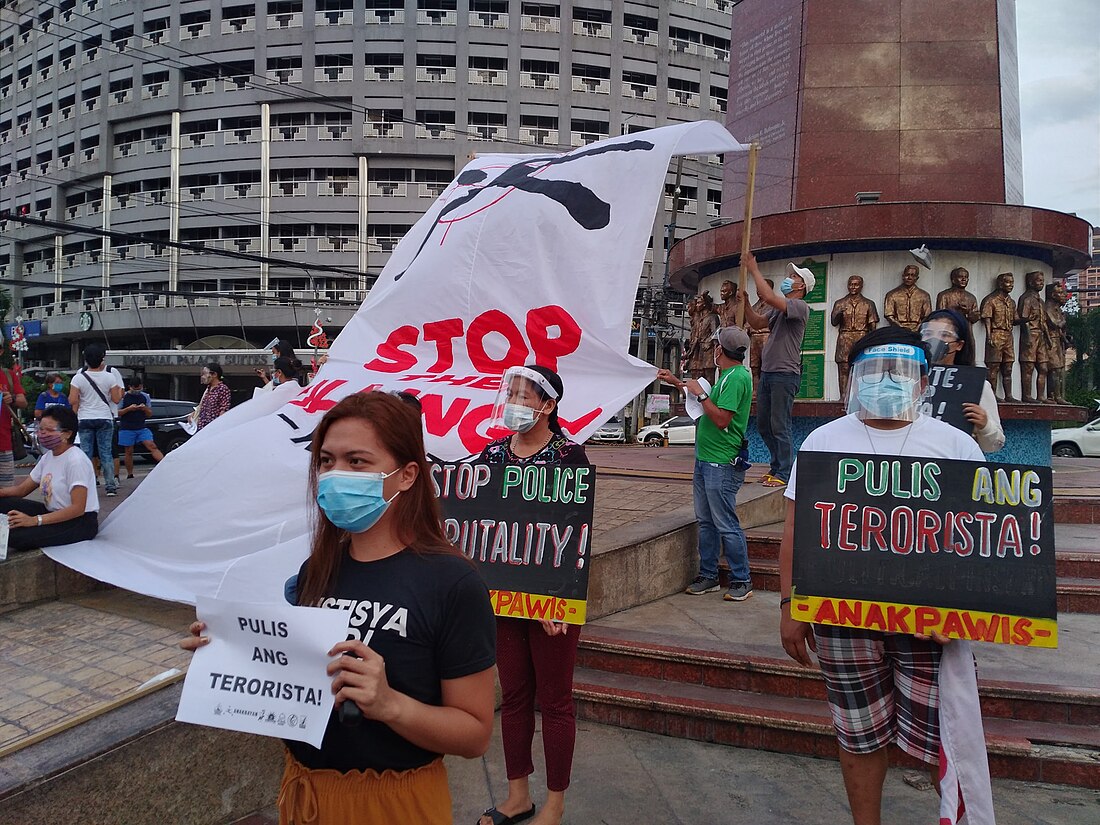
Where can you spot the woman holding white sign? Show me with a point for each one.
(532, 660)
(947, 335)
(418, 662)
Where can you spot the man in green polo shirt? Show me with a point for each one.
(719, 435)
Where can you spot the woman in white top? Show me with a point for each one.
(947, 335)
(71, 509)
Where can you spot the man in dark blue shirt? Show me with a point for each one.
(133, 410)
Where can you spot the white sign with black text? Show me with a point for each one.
(264, 669)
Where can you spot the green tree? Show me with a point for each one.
(1084, 374)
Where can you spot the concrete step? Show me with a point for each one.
(124, 766)
(802, 726)
(1076, 510)
(763, 668)
(29, 577)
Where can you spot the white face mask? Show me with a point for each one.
(519, 418)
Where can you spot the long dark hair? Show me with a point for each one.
(416, 511)
(965, 356)
(554, 380)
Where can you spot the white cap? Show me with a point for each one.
(807, 276)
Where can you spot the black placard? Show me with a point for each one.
(956, 535)
(949, 388)
(529, 530)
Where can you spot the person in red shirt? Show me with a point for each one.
(14, 399)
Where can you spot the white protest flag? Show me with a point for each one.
(522, 259)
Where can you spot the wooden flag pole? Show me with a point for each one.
(746, 228)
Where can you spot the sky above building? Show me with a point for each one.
(1059, 48)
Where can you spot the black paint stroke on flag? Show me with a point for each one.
(584, 207)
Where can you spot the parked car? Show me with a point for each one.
(1076, 441)
(610, 433)
(678, 430)
(165, 423)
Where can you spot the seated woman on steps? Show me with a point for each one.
(71, 509)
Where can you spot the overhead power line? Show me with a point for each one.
(131, 237)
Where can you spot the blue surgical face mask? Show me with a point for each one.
(275, 380)
(888, 398)
(519, 418)
(58, 387)
(786, 286)
(353, 501)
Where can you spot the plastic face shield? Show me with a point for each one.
(886, 383)
(520, 390)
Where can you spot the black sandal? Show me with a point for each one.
(501, 819)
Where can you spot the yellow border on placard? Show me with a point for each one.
(1044, 632)
(575, 610)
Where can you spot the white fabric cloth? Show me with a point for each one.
(991, 437)
(523, 259)
(91, 405)
(56, 475)
(964, 763)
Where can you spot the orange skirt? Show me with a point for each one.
(328, 797)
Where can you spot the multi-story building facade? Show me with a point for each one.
(304, 137)
(1085, 285)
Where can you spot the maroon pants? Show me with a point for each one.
(531, 664)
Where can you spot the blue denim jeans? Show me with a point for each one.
(774, 403)
(715, 489)
(97, 436)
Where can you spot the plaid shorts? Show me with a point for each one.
(882, 688)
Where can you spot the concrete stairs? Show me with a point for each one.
(753, 696)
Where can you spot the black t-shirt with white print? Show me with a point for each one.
(429, 617)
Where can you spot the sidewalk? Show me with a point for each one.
(624, 777)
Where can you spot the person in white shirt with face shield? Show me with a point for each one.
(883, 688)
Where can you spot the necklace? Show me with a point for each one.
(549, 438)
(901, 450)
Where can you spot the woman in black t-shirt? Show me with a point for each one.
(534, 660)
(421, 644)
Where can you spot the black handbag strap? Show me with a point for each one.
(95, 386)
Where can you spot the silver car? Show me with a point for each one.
(610, 433)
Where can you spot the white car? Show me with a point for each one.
(1076, 441)
(678, 430)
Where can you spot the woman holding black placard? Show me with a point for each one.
(947, 336)
(534, 659)
(414, 681)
